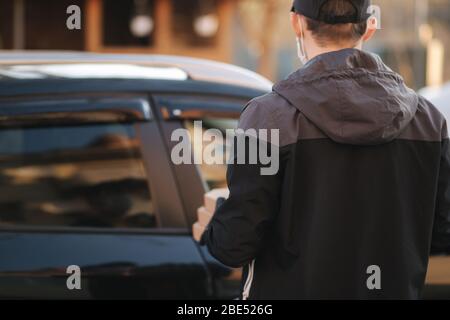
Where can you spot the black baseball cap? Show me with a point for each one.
(311, 9)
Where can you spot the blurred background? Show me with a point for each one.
(414, 38)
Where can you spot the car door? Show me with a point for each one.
(202, 112)
(88, 204)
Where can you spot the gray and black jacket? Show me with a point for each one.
(364, 180)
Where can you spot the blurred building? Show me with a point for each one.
(244, 32)
(195, 28)
(414, 38)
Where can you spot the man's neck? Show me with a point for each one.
(314, 51)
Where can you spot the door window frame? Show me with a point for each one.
(173, 110)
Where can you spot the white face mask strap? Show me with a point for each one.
(302, 54)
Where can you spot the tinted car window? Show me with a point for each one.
(79, 176)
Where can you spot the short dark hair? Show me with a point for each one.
(325, 33)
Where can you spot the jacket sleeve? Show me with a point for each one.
(441, 230)
(243, 222)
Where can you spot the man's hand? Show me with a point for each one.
(213, 199)
(204, 217)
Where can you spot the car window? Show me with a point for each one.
(74, 176)
(213, 174)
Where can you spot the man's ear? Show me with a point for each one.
(372, 26)
(296, 25)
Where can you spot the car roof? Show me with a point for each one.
(26, 65)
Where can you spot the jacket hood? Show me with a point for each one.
(352, 97)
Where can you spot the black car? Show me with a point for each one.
(86, 177)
